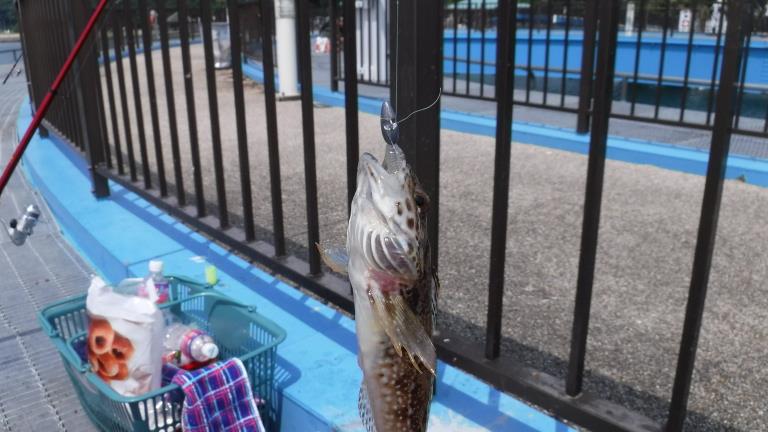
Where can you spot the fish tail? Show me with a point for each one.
(364, 407)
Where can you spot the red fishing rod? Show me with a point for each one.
(46, 103)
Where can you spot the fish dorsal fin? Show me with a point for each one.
(335, 257)
(404, 328)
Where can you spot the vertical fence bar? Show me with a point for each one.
(546, 51)
(587, 65)
(483, 23)
(715, 64)
(387, 34)
(170, 99)
(743, 79)
(23, 40)
(131, 34)
(455, 61)
(469, 46)
(609, 27)
(378, 45)
(419, 61)
(84, 70)
(765, 122)
(387, 20)
(112, 101)
(213, 110)
(101, 108)
(70, 108)
(118, 35)
(638, 47)
(57, 115)
(308, 129)
(566, 42)
(505, 70)
(738, 12)
(688, 52)
(350, 95)
(146, 34)
(334, 15)
(268, 19)
(662, 58)
(44, 43)
(529, 70)
(189, 89)
(370, 43)
(242, 137)
(64, 120)
(25, 48)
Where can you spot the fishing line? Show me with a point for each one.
(437, 99)
(397, 70)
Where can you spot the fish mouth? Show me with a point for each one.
(394, 162)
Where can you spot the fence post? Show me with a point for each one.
(505, 79)
(25, 51)
(417, 73)
(334, 18)
(350, 98)
(738, 13)
(587, 66)
(84, 73)
(598, 142)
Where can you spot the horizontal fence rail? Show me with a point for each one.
(144, 106)
(667, 64)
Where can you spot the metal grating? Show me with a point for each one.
(35, 392)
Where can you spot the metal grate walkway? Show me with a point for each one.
(35, 392)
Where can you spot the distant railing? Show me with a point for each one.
(102, 107)
(15, 53)
(654, 58)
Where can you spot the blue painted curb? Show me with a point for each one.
(668, 156)
(317, 373)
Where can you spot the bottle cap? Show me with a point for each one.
(155, 266)
(210, 350)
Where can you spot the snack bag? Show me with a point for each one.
(125, 339)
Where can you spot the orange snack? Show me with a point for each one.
(108, 364)
(122, 348)
(122, 371)
(100, 336)
(105, 378)
(93, 361)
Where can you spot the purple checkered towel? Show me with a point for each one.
(218, 398)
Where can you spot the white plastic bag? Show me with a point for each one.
(125, 339)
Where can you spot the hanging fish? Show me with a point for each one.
(388, 261)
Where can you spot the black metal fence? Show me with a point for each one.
(150, 159)
(666, 71)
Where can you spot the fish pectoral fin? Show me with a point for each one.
(404, 329)
(335, 257)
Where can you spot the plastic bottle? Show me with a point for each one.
(194, 345)
(159, 285)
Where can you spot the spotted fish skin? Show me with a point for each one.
(400, 393)
(395, 289)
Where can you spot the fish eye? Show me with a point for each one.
(420, 200)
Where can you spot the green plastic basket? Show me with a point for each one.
(238, 329)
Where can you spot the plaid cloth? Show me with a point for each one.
(218, 398)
